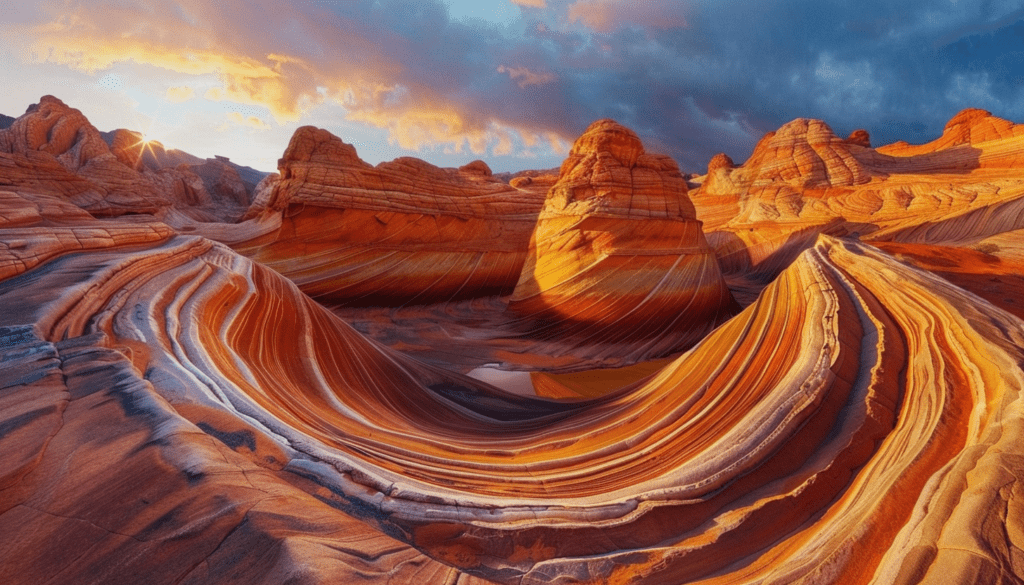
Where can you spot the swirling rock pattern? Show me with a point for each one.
(172, 411)
(855, 424)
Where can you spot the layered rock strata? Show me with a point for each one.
(174, 412)
(53, 149)
(803, 181)
(618, 253)
(402, 232)
(233, 414)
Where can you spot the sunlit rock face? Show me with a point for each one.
(970, 127)
(957, 190)
(402, 232)
(173, 411)
(54, 149)
(617, 252)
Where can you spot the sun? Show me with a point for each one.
(146, 142)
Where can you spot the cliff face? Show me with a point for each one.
(173, 410)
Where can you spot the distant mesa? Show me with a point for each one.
(860, 138)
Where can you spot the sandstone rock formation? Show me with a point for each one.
(172, 411)
(957, 189)
(969, 127)
(125, 177)
(617, 253)
(782, 442)
(402, 232)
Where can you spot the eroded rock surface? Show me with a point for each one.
(955, 190)
(617, 253)
(125, 177)
(172, 411)
(402, 232)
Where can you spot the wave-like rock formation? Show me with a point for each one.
(858, 423)
(617, 252)
(402, 232)
(173, 410)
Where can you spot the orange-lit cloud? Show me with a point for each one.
(289, 58)
(524, 77)
(557, 143)
(605, 16)
(251, 121)
(180, 94)
(416, 127)
(95, 38)
(531, 3)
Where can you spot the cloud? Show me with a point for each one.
(250, 121)
(180, 94)
(692, 77)
(524, 77)
(398, 64)
(599, 15)
(606, 16)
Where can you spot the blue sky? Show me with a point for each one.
(511, 81)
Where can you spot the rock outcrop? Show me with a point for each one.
(172, 411)
(969, 127)
(234, 418)
(125, 177)
(402, 232)
(617, 253)
(760, 215)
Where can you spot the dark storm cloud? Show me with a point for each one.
(900, 70)
(725, 72)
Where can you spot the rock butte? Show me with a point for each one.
(618, 253)
(173, 410)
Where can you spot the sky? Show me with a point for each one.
(512, 82)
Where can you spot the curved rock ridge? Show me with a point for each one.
(859, 423)
(172, 411)
(617, 252)
(53, 149)
(404, 231)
